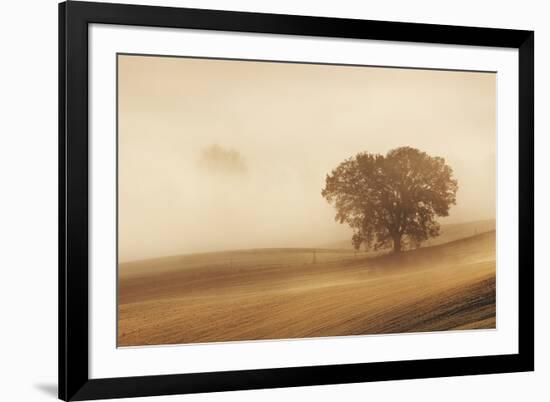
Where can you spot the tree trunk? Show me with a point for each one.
(397, 243)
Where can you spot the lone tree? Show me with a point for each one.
(392, 199)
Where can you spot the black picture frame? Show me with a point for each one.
(74, 381)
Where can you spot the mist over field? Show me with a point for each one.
(302, 293)
(231, 175)
(220, 155)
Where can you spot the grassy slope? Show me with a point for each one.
(281, 293)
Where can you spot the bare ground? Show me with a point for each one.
(296, 293)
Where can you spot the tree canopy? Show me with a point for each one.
(392, 199)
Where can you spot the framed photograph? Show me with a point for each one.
(257, 201)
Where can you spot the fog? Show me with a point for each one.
(218, 154)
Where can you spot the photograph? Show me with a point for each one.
(268, 199)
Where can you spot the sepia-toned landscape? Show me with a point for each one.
(273, 200)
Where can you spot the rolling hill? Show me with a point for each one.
(295, 293)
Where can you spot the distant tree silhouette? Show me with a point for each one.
(392, 199)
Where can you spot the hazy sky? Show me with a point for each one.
(219, 154)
